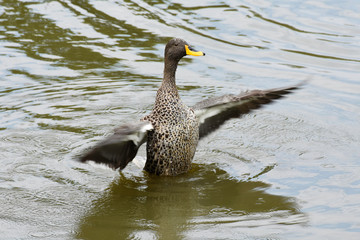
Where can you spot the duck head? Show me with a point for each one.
(177, 48)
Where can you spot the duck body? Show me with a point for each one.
(172, 130)
(172, 143)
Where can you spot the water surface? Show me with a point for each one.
(71, 71)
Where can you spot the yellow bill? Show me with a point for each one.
(193, 52)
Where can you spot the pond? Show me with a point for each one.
(72, 71)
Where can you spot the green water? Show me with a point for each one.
(71, 71)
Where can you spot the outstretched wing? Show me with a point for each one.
(119, 149)
(213, 112)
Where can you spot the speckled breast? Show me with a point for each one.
(171, 145)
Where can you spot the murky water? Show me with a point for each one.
(71, 71)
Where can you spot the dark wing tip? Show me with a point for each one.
(216, 111)
(120, 148)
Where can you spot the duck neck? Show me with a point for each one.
(169, 75)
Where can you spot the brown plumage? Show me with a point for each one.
(172, 130)
(171, 145)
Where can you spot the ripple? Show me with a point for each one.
(74, 70)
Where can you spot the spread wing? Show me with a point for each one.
(119, 149)
(213, 112)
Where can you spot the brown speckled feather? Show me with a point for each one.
(171, 145)
(172, 130)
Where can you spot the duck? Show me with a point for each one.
(172, 130)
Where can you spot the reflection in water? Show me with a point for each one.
(69, 71)
(170, 207)
(96, 41)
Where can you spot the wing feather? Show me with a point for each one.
(214, 112)
(120, 148)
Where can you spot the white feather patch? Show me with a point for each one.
(209, 112)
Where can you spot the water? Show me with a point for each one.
(71, 71)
